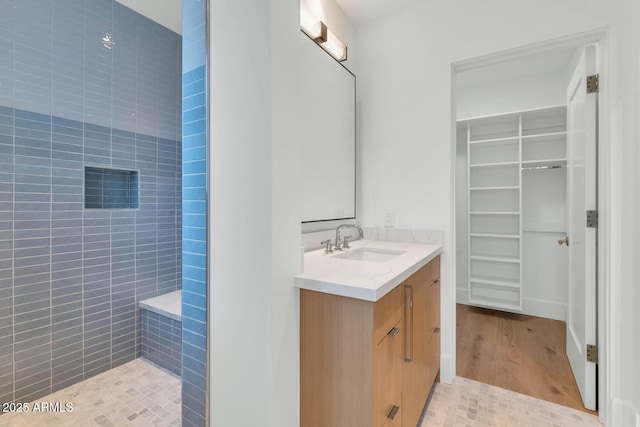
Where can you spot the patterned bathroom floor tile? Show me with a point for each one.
(470, 403)
(134, 394)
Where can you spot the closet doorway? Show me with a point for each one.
(526, 212)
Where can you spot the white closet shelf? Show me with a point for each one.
(495, 281)
(486, 165)
(494, 303)
(513, 187)
(513, 260)
(493, 213)
(543, 135)
(495, 235)
(491, 140)
(544, 163)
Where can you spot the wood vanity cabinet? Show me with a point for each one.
(353, 355)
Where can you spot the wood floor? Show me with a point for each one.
(521, 353)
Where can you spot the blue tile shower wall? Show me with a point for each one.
(162, 341)
(194, 208)
(83, 83)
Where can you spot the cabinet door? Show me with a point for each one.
(387, 379)
(416, 367)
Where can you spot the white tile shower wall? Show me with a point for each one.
(82, 83)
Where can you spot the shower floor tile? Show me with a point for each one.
(134, 394)
(469, 403)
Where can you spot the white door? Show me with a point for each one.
(581, 197)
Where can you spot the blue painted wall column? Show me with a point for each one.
(194, 210)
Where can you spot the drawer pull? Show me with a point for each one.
(394, 412)
(436, 330)
(393, 332)
(437, 281)
(408, 340)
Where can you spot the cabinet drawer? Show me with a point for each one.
(397, 415)
(435, 269)
(386, 313)
(387, 365)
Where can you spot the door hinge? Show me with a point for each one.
(592, 219)
(592, 353)
(593, 83)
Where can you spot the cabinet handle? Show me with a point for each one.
(436, 330)
(435, 282)
(394, 412)
(408, 340)
(393, 332)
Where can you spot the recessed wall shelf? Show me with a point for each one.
(501, 150)
(110, 188)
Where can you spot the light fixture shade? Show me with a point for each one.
(335, 47)
(318, 32)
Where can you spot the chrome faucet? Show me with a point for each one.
(346, 245)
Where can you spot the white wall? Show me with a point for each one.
(625, 273)
(405, 92)
(254, 214)
(503, 96)
(164, 12)
(632, 380)
(285, 214)
(240, 216)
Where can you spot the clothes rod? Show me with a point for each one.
(537, 168)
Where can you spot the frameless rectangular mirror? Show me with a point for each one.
(328, 149)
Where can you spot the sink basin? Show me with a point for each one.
(370, 254)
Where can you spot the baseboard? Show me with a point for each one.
(542, 308)
(446, 369)
(625, 413)
(462, 296)
(532, 307)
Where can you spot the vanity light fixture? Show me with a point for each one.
(319, 33)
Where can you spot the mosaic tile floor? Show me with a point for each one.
(140, 394)
(134, 394)
(471, 403)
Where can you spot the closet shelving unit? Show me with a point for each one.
(501, 151)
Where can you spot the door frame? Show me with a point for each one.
(604, 174)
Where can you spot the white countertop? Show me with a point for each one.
(366, 280)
